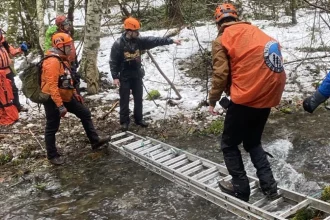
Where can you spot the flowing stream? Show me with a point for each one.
(113, 187)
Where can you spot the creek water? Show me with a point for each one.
(113, 187)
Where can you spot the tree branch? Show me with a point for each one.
(316, 6)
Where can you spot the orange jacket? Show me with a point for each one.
(5, 57)
(52, 70)
(251, 62)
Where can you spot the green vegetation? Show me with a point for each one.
(5, 158)
(153, 94)
(325, 196)
(216, 127)
(304, 214)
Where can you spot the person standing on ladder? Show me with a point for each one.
(127, 71)
(248, 66)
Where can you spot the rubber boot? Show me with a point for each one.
(264, 173)
(235, 167)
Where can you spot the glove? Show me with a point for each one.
(62, 110)
(311, 103)
(24, 47)
(79, 98)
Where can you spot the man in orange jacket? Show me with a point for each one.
(248, 63)
(56, 81)
(6, 52)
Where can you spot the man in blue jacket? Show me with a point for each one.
(127, 71)
(321, 95)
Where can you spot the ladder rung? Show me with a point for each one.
(189, 166)
(133, 145)
(195, 169)
(174, 160)
(295, 208)
(207, 178)
(168, 157)
(143, 147)
(156, 147)
(123, 140)
(226, 178)
(214, 185)
(254, 191)
(180, 163)
(118, 135)
(273, 203)
(260, 202)
(163, 154)
(204, 173)
(327, 218)
(253, 183)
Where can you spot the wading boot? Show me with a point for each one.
(228, 187)
(142, 123)
(100, 143)
(56, 160)
(124, 127)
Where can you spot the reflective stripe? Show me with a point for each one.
(4, 58)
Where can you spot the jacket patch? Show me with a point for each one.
(273, 57)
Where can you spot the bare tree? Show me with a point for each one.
(12, 21)
(59, 7)
(173, 11)
(41, 24)
(88, 66)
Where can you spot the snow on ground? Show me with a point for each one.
(291, 38)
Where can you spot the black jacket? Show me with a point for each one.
(125, 56)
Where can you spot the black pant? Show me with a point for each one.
(53, 122)
(134, 84)
(16, 102)
(245, 124)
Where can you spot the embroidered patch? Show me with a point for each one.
(273, 57)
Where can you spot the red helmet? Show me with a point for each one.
(131, 24)
(61, 20)
(225, 10)
(61, 39)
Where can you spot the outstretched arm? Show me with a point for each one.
(147, 43)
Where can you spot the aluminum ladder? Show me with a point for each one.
(201, 176)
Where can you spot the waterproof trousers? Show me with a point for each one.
(53, 122)
(16, 102)
(126, 85)
(246, 124)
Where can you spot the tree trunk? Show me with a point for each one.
(71, 15)
(174, 12)
(293, 6)
(11, 35)
(89, 68)
(59, 7)
(41, 24)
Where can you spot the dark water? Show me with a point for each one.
(112, 187)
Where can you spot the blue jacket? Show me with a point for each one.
(324, 88)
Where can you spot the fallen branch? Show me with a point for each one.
(36, 140)
(10, 132)
(111, 109)
(307, 58)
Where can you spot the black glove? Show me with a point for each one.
(312, 102)
(62, 110)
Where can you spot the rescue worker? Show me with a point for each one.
(127, 71)
(64, 26)
(57, 82)
(250, 64)
(6, 53)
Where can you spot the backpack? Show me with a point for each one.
(31, 81)
(48, 37)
